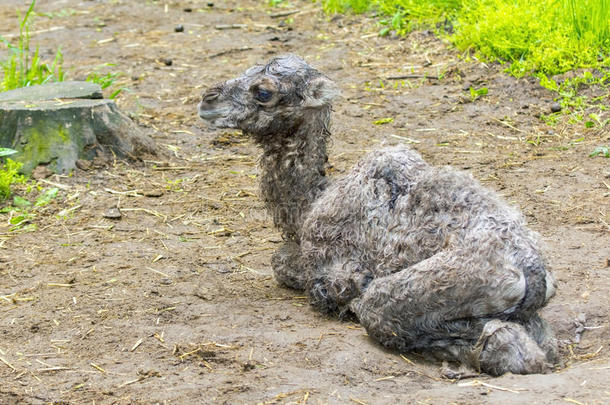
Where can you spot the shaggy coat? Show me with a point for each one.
(426, 258)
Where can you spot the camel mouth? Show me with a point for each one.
(213, 117)
(206, 113)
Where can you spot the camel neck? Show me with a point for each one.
(293, 174)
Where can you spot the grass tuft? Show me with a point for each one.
(535, 37)
(9, 175)
(23, 68)
(545, 37)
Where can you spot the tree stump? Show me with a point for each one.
(57, 124)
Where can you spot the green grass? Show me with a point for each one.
(23, 212)
(9, 175)
(576, 106)
(477, 93)
(603, 151)
(20, 210)
(542, 37)
(106, 80)
(7, 152)
(24, 67)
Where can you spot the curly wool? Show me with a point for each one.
(426, 258)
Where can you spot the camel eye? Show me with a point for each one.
(263, 95)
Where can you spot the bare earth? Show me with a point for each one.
(176, 303)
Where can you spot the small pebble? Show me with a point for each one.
(555, 107)
(41, 172)
(112, 213)
(214, 205)
(83, 164)
(179, 28)
(167, 62)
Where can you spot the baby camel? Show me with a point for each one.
(426, 258)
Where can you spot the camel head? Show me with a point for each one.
(270, 100)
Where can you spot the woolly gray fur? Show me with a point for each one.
(426, 258)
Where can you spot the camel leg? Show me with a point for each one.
(508, 347)
(333, 286)
(287, 266)
(542, 333)
(454, 302)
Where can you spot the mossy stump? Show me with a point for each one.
(57, 124)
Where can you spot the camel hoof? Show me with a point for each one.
(506, 347)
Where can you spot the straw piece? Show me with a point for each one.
(8, 364)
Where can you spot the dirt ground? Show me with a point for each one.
(175, 302)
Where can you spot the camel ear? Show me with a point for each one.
(321, 91)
